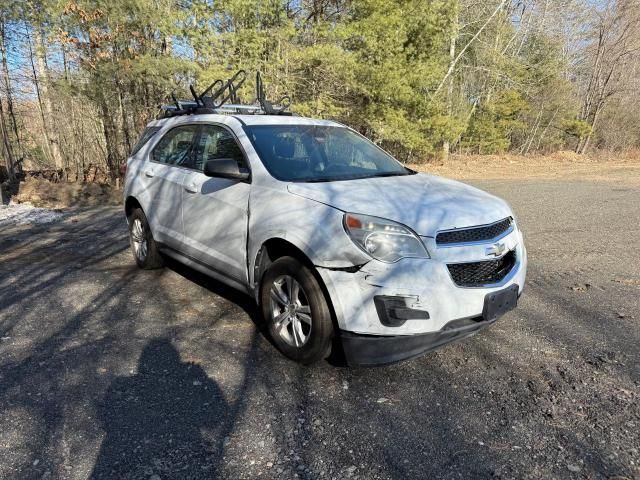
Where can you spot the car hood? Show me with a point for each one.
(425, 203)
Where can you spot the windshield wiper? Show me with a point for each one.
(355, 177)
(388, 174)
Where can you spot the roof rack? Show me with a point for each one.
(221, 97)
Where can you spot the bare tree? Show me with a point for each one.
(8, 86)
(613, 48)
(41, 81)
(7, 152)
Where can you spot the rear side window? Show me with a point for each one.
(144, 138)
(216, 143)
(175, 147)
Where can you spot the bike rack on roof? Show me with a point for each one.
(221, 97)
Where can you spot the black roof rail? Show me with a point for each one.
(222, 97)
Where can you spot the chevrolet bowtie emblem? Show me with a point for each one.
(496, 249)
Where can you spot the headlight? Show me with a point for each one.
(384, 240)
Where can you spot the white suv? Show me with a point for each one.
(333, 237)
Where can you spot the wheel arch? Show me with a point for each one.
(272, 249)
(278, 247)
(130, 203)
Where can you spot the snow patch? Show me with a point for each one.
(24, 213)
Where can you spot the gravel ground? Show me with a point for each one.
(107, 371)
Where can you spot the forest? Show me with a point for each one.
(424, 79)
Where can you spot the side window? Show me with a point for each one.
(144, 138)
(216, 143)
(175, 146)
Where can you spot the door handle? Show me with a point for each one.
(191, 188)
(149, 173)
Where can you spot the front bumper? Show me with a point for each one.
(424, 284)
(377, 350)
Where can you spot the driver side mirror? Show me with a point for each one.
(225, 168)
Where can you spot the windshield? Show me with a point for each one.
(313, 153)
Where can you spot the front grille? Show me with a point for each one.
(477, 274)
(474, 234)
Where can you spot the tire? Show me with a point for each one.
(302, 330)
(143, 246)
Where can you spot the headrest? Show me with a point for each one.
(284, 147)
(183, 145)
(227, 147)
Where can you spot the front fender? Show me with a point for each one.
(313, 228)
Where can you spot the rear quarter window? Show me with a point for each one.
(147, 134)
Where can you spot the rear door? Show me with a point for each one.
(164, 173)
(215, 210)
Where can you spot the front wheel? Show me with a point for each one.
(296, 311)
(143, 246)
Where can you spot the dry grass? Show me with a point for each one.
(561, 166)
(42, 193)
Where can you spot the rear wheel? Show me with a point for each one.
(296, 311)
(143, 246)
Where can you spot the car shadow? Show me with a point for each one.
(337, 356)
(243, 300)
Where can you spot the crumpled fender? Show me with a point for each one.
(314, 228)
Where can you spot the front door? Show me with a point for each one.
(215, 210)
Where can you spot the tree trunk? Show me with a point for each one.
(126, 130)
(446, 146)
(6, 145)
(546, 129)
(7, 84)
(455, 61)
(111, 139)
(587, 140)
(526, 146)
(45, 99)
(36, 84)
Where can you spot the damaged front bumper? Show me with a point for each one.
(377, 350)
(427, 308)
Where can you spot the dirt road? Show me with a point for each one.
(112, 372)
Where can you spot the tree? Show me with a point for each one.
(81, 78)
(613, 47)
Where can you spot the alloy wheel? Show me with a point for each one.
(139, 239)
(290, 311)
